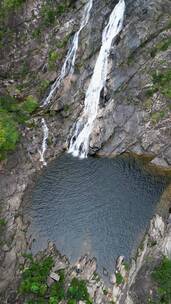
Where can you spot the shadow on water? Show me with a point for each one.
(96, 206)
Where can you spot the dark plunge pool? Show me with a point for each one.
(95, 206)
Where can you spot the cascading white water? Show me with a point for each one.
(44, 142)
(79, 144)
(68, 66)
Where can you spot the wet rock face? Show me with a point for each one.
(135, 118)
(133, 114)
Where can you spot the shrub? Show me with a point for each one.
(9, 134)
(12, 4)
(30, 104)
(34, 285)
(2, 224)
(43, 86)
(34, 277)
(162, 276)
(52, 58)
(78, 291)
(157, 116)
(50, 12)
(63, 43)
(36, 33)
(12, 114)
(48, 15)
(162, 83)
(119, 278)
(72, 301)
(161, 47)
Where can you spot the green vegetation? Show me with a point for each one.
(7, 9)
(52, 59)
(12, 114)
(63, 43)
(127, 266)
(66, 108)
(11, 4)
(161, 47)
(24, 69)
(34, 285)
(2, 224)
(30, 104)
(43, 86)
(50, 11)
(157, 116)
(36, 33)
(148, 104)
(49, 14)
(78, 291)
(162, 277)
(34, 277)
(161, 83)
(150, 92)
(119, 278)
(96, 277)
(9, 134)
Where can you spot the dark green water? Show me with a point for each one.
(95, 206)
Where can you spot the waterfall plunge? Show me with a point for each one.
(79, 144)
(44, 142)
(68, 66)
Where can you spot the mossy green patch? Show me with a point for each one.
(157, 116)
(9, 134)
(12, 114)
(119, 278)
(161, 83)
(2, 224)
(43, 86)
(162, 276)
(78, 291)
(50, 11)
(30, 104)
(52, 59)
(161, 47)
(148, 104)
(11, 4)
(62, 44)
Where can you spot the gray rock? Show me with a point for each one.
(54, 276)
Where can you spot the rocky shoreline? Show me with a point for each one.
(14, 243)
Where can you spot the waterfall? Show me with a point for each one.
(68, 66)
(79, 144)
(44, 142)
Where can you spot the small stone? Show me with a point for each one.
(105, 272)
(54, 276)
(50, 281)
(113, 278)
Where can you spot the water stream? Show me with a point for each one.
(68, 66)
(79, 144)
(44, 142)
(95, 206)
